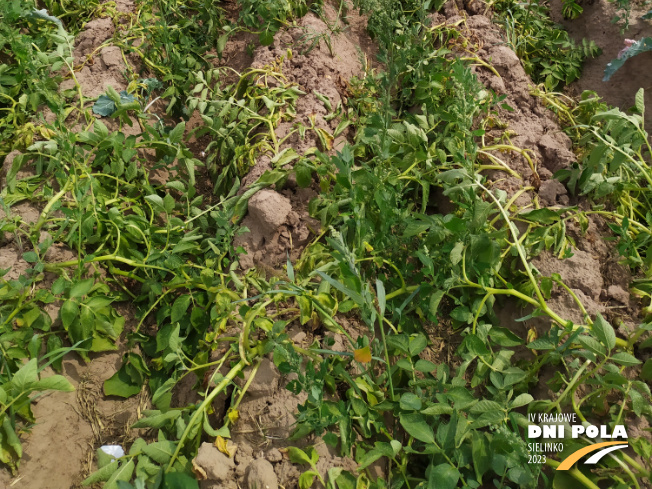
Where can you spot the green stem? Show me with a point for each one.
(52, 267)
(627, 470)
(509, 147)
(243, 343)
(252, 375)
(574, 473)
(635, 464)
(570, 387)
(577, 410)
(519, 248)
(479, 311)
(402, 290)
(202, 408)
(46, 210)
(585, 314)
(389, 365)
(634, 338)
(622, 404)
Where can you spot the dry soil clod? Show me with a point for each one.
(260, 475)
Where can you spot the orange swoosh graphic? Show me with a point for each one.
(575, 456)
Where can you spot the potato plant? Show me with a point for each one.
(389, 256)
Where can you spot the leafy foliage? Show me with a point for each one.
(32, 51)
(173, 39)
(239, 133)
(571, 9)
(73, 13)
(415, 240)
(547, 52)
(272, 15)
(615, 148)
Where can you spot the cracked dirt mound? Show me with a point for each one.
(321, 64)
(593, 272)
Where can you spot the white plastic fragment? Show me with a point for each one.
(115, 451)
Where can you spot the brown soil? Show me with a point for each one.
(70, 426)
(595, 24)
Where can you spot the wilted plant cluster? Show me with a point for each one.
(390, 256)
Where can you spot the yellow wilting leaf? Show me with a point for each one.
(325, 138)
(225, 446)
(362, 355)
(199, 472)
(233, 415)
(220, 443)
(531, 336)
(222, 327)
(45, 132)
